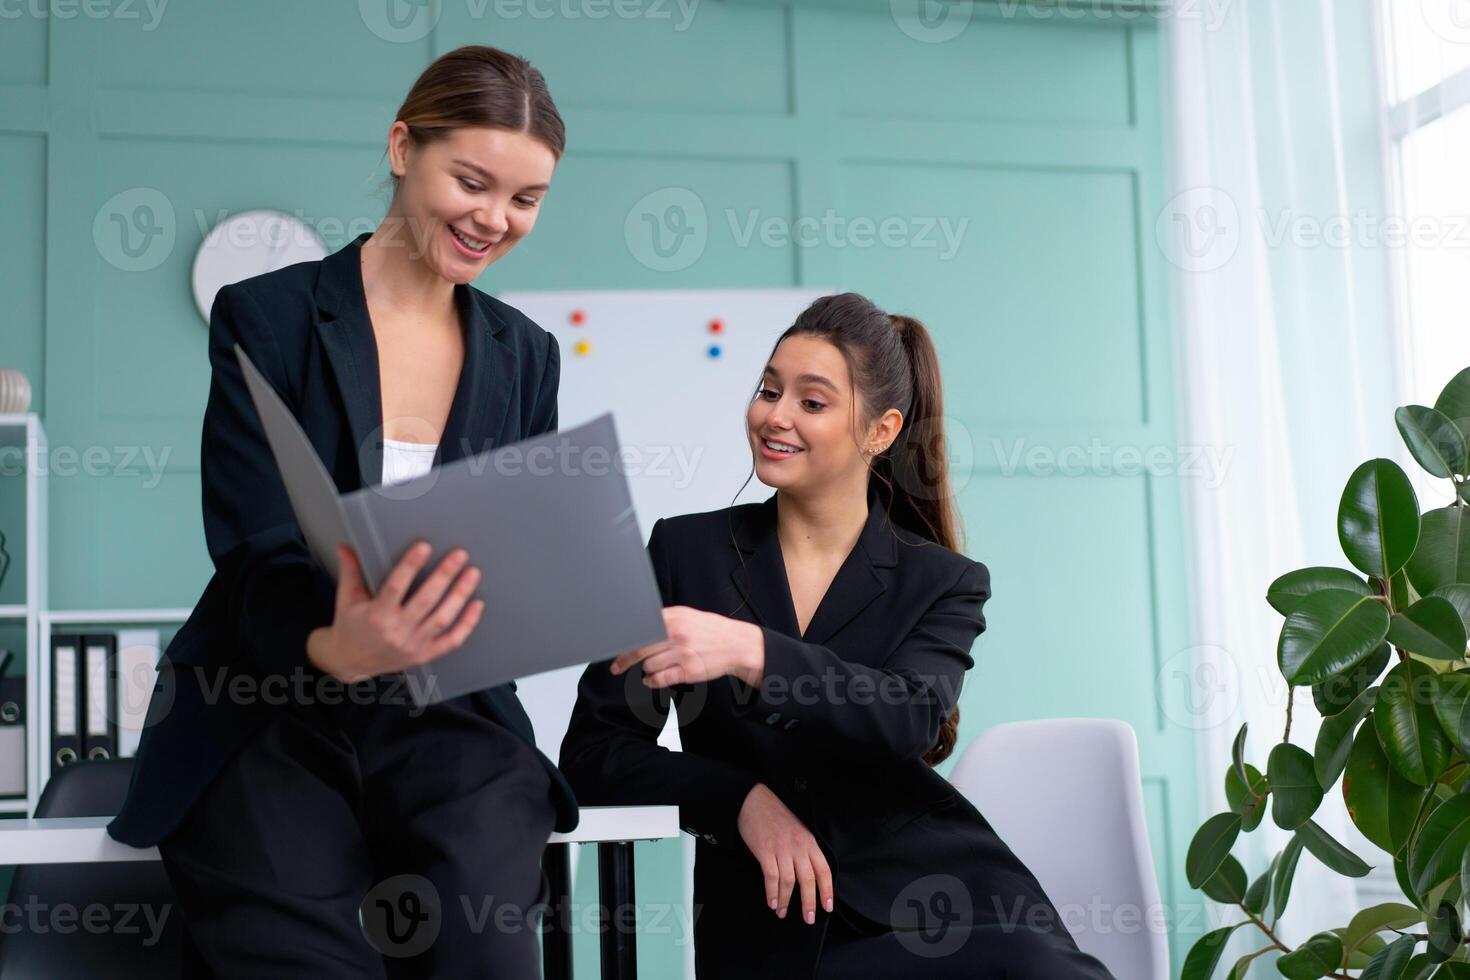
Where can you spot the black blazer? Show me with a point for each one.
(837, 730)
(306, 328)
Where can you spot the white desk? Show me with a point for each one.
(84, 840)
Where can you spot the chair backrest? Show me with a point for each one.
(134, 930)
(548, 699)
(1066, 796)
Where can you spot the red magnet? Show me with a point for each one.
(578, 318)
(716, 326)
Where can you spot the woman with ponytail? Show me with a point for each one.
(816, 647)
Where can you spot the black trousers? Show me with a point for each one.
(367, 840)
(977, 950)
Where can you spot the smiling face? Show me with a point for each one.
(805, 420)
(486, 184)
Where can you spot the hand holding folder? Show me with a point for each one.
(548, 520)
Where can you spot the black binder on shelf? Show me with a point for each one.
(12, 730)
(99, 738)
(67, 693)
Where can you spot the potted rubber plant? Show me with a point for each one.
(1381, 645)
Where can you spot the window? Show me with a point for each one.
(1426, 54)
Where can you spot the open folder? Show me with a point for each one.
(549, 521)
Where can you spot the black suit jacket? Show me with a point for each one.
(306, 328)
(837, 729)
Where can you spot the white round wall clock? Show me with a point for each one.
(247, 244)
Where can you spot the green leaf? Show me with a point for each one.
(1381, 803)
(1444, 933)
(1454, 404)
(1295, 793)
(1258, 895)
(1242, 966)
(1357, 959)
(1286, 593)
(1330, 852)
(1329, 632)
(1443, 555)
(1465, 874)
(1407, 725)
(1285, 872)
(1452, 708)
(1392, 962)
(1335, 739)
(1458, 593)
(1378, 518)
(1228, 883)
(1314, 958)
(1211, 845)
(1237, 754)
(1439, 850)
(1371, 921)
(1340, 690)
(1452, 970)
(1204, 956)
(1249, 803)
(1431, 627)
(1400, 591)
(1435, 441)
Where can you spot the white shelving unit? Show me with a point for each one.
(25, 432)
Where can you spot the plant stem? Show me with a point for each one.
(1276, 941)
(1290, 698)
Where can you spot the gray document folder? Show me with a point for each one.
(549, 522)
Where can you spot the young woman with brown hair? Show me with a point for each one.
(335, 831)
(816, 647)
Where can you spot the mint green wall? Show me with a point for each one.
(1043, 135)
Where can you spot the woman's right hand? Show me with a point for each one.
(381, 634)
(787, 852)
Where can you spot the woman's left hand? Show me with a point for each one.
(701, 647)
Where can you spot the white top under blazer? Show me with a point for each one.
(406, 460)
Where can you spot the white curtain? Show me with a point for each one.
(1285, 362)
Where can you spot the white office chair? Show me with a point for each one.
(1065, 795)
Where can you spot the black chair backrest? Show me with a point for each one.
(115, 919)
